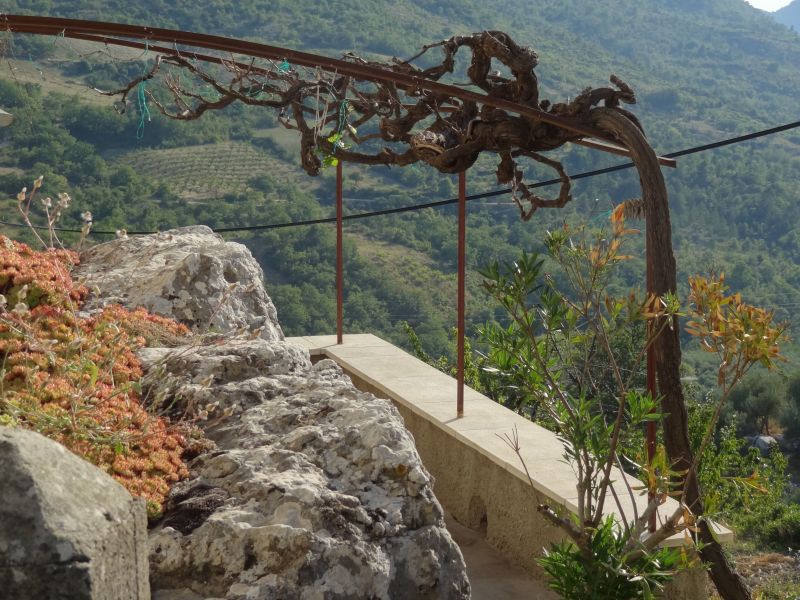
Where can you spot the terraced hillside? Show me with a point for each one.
(209, 171)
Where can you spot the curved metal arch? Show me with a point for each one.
(114, 33)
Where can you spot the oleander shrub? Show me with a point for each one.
(76, 378)
(608, 569)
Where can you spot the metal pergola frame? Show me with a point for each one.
(131, 35)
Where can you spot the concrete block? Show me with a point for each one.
(68, 531)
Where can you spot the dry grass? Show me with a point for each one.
(414, 270)
(772, 576)
(51, 80)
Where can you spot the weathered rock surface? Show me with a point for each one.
(314, 492)
(764, 444)
(67, 530)
(190, 274)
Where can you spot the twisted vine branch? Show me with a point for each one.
(444, 131)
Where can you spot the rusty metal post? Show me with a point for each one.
(462, 267)
(339, 258)
(651, 382)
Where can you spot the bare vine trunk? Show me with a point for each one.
(729, 583)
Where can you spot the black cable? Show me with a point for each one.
(736, 140)
(413, 207)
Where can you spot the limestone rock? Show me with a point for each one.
(315, 490)
(764, 444)
(190, 274)
(67, 530)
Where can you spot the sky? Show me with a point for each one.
(769, 4)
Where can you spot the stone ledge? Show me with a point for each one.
(429, 394)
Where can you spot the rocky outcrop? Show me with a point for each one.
(190, 274)
(315, 490)
(67, 530)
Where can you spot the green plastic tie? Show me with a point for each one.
(141, 97)
(145, 51)
(342, 116)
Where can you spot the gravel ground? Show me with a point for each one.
(773, 575)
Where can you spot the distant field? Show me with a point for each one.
(210, 171)
(51, 80)
(414, 270)
(11, 171)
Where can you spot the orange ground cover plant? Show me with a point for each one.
(76, 379)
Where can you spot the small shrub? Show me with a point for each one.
(76, 380)
(776, 527)
(607, 570)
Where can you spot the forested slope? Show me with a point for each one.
(702, 71)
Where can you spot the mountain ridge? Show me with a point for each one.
(789, 15)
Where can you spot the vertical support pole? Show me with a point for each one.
(339, 258)
(651, 382)
(462, 267)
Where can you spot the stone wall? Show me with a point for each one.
(315, 489)
(483, 495)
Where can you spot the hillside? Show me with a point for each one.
(789, 15)
(702, 71)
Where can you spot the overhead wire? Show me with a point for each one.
(450, 201)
